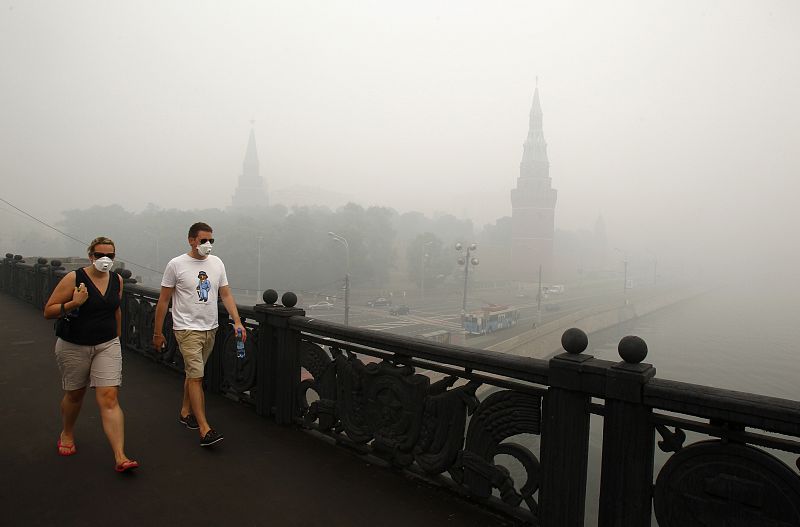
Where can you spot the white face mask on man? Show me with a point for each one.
(204, 249)
(103, 264)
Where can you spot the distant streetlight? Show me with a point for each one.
(625, 263)
(466, 261)
(156, 267)
(655, 266)
(341, 239)
(258, 291)
(422, 266)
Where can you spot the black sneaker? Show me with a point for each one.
(211, 437)
(189, 421)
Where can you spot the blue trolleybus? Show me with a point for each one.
(490, 319)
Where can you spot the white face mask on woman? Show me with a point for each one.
(204, 249)
(103, 264)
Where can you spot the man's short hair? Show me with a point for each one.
(197, 227)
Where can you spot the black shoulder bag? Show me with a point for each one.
(63, 324)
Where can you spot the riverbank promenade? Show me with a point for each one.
(261, 474)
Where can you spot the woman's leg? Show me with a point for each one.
(113, 420)
(70, 408)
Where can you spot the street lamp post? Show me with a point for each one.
(343, 241)
(466, 261)
(422, 266)
(156, 267)
(625, 265)
(655, 266)
(258, 291)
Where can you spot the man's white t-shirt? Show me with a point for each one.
(196, 283)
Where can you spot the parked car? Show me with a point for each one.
(379, 302)
(399, 310)
(321, 305)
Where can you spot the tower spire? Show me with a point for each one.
(534, 155)
(251, 155)
(533, 204)
(250, 191)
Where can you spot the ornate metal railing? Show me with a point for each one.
(507, 431)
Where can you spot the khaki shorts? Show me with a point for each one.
(196, 346)
(99, 365)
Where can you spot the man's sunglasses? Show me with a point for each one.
(100, 255)
(204, 240)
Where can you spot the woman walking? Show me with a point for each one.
(88, 350)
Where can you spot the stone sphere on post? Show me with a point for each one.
(42, 260)
(632, 349)
(125, 273)
(574, 341)
(9, 255)
(269, 296)
(289, 299)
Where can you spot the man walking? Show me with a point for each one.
(194, 282)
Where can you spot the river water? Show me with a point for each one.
(741, 336)
(744, 337)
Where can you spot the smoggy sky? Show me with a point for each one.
(677, 122)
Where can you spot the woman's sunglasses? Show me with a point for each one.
(107, 255)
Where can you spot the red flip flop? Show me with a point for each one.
(126, 466)
(66, 450)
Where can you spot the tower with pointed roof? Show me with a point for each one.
(533, 204)
(251, 191)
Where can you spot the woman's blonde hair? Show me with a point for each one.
(100, 240)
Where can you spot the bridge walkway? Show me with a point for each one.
(261, 474)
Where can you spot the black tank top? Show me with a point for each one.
(94, 322)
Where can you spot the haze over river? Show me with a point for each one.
(743, 336)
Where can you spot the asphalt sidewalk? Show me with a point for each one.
(261, 474)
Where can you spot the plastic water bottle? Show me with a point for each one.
(239, 344)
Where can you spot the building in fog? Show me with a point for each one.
(251, 190)
(533, 205)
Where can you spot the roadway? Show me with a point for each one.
(443, 311)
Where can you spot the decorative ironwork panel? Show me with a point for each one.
(383, 402)
(321, 368)
(502, 415)
(671, 441)
(717, 483)
(443, 424)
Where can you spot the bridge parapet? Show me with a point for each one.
(522, 445)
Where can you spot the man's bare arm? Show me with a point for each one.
(230, 305)
(161, 312)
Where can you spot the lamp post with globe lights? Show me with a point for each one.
(422, 269)
(466, 261)
(341, 239)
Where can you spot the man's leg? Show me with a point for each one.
(186, 405)
(197, 398)
(70, 408)
(195, 346)
(113, 420)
